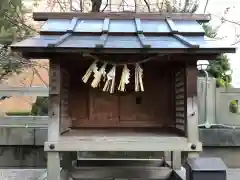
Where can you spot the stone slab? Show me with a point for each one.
(222, 137)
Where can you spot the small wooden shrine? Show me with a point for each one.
(121, 81)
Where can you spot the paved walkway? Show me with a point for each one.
(233, 174)
(20, 174)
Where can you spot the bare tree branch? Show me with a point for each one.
(39, 75)
(106, 5)
(135, 5)
(81, 5)
(186, 4)
(16, 23)
(226, 20)
(60, 5)
(205, 7)
(148, 6)
(96, 4)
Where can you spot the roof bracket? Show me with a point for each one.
(72, 25)
(140, 34)
(171, 25)
(103, 37)
(102, 41)
(185, 41)
(138, 24)
(142, 40)
(176, 34)
(60, 40)
(106, 23)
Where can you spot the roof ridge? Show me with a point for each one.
(43, 16)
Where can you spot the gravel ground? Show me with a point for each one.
(33, 174)
(20, 174)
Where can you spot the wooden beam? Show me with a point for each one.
(143, 42)
(171, 25)
(43, 16)
(72, 25)
(104, 36)
(24, 121)
(174, 57)
(138, 25)
(60, 40)
(102, 41)
(24, 91)
(139, 162)
(106, 23)
(185, 41)
(74, 142)
(140, 34)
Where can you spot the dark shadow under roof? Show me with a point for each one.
(119, 33)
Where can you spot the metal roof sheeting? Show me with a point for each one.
(116, 41)
(121, 26)
(107, 33)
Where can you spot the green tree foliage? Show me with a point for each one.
(220, 67)
(10, 14)
(13, 21)
(13, 27)
(40, 107)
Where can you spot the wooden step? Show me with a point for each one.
(119, 162)
(121, 172)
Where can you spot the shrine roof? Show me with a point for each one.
(121, 33)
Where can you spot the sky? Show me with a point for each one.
(228, 30)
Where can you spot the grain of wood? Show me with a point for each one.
(102, 140)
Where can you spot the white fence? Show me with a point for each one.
(24, 121)
(218, 102)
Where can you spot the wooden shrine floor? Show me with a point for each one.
(120, 140)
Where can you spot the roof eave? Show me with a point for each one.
(125, 50)
(43, 16)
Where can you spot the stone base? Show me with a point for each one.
(205, 168)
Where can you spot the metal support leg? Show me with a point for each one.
(167, 156)
(176, 160)
(53, 166)
(66, 164)
(173, 158)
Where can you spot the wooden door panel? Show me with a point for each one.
(103, 107)
(153, 104)
(94, 108)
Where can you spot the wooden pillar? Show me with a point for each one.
(192, 109)
(65, 121)
(53, 158)
(192, 124)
